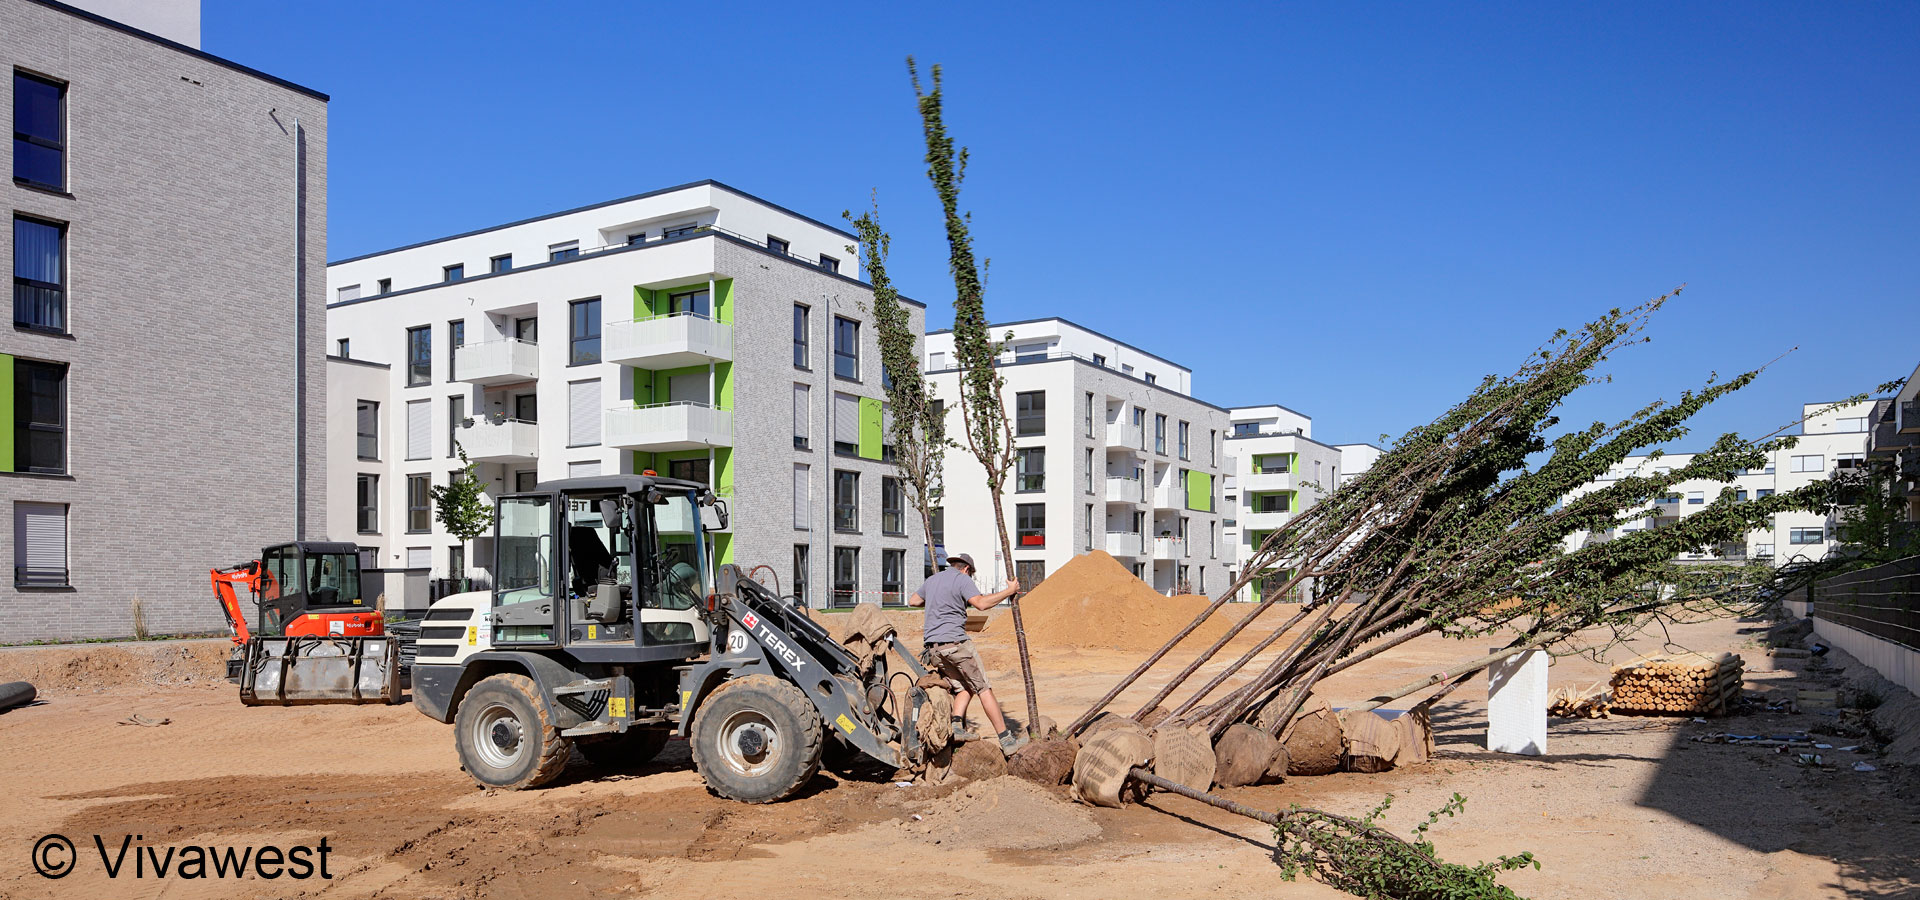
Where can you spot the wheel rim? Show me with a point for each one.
(749, 743)
(498, 737)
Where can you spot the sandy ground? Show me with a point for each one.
(1623, 807)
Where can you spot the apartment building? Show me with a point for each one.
(698, 331)
(1278, 471)
(1834, 438)
(1896, 439)
(1114, 452)
(168, 218)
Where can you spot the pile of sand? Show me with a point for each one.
(1004, 813)
(1094, 602)
(91, 668)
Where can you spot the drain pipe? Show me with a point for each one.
(299, 347)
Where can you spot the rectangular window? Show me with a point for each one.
(457, 563)
(368, 419)
(938, 522)
(1030, 470)
(802, 417)
(1849, 425)
(39, 131)
(690, 470)
(1814, 463)
(802, 496)
(40, 545)
(419, 433)
(367, 502)
(1151, 379)
(1763, 550)
(419, 503)
(1030, 525)
(1213, 447)
(583, 468)
(558, 252)
(800, 358)
(1089, 470)
(583, 412)
(1088, 543)
(345, 348)
(1246, 429)
(1740, 496)
(1806, 535)
(583, 332)
(638, 237)
(893, 513)
(1138, 416)
(1849, 460)
(800, 574)
(1030, 413)
(846, 348)
(679, 230)
(526, 407)
(39, 417)
(502, 263)
(525, 481)
(697, 303)
(846, 500)
(829, 263)
(1160, 434)
(777, 245)
(1762, 492)
(1087, 422)
(456, 416)
(1099, 360)
(350, 292)
(846, 424)
(846, 577)
(893, 577)
(1696, 498)
(39, 275)
(454, 272)
(1185, 451)
(419, 356)
(385, 285)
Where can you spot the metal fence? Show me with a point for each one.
(1883, 601)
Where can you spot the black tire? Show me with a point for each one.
(505, 737)
(16, 693)
(630, 750)
(756, 739)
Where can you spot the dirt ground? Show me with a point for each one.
(1622, 807)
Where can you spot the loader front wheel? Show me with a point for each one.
(757, 739)
(505, 737)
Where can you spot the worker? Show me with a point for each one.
(949, 651)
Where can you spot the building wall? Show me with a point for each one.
(183, 298)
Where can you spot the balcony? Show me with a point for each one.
(1125, 490)
(1124, 543)
(1124, 437)
(667, 342)
(1265, 521)
(497, 362)
(1169, 548)
(668, 426)
(1260, 482)
(500, 440)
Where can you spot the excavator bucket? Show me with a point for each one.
(288, 671)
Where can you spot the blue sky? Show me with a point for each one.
(1355, 210)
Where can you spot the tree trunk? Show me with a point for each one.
(1019, 626)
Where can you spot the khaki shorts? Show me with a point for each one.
(959, 664)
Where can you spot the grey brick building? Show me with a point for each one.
(164, 374)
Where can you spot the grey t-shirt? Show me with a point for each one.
(947, 593)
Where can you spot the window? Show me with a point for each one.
(39, 131)
(1151, 379)
(1160, 434)
(1213, 451)
(1088, 543)
(456, 417)
(40, 545)
(893, 513)
(1807, 535)
(1030, 470)
(776, 245)
(679, 230)
(367, 502)
(39, 274)
(800, 574)
(638, 237)
(800, 337)
(419, 356)
(1185, 452)
(1030, 525)
(1138, 416)
(1213, 548)
(829, 264)
(1089, 470)
(1087, 420)
(350, 292)
(846, 577)
(893, 568)
(345, 348)
(456, 338)
(368, 417)
(526, 407)
(1246, 429)
(846, 348)
(846, 500)
(419, 435)
(938, 522)
(1814, 463)
(39, 417)
(583, 413)
(525, 481)
(690, 470)
(1849, 425)
(419, 498)
(802, 417)
(500, 264)
(386, 285)
(1763, 550)
(1099, 360)
(1126, 369)
(1696, 498)
(457, 562)
(558, 252)
(454, 272)
(583, 332)
(1030, 353)
(1849, 460)
(802, 496)
(846, 425)
(1740, 496)
(1762, 492)
(1030, 413)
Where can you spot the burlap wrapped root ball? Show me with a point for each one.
(979, 760)
(1108, 720)
(1243, 752)
(1416, 737)
(1100, 768)
(1044, 762)
(1314, 740)
(1372, 742)
(1184, 756)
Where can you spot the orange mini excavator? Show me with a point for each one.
(316, 639)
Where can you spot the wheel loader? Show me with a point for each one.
(608, 628)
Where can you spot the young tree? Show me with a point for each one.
(983, 412)
(460, 505)
(919, 428)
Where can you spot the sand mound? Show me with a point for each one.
(1004, 813)
(1094, 602)
(92, 668)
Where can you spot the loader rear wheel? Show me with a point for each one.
(757, 739)
(505, 737)
(636, 747)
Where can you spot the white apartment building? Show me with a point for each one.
(1278, 471)
(1832, 441)
(697, 331)
(1114, 453)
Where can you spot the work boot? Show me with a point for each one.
(963, 733)
(1011, 741)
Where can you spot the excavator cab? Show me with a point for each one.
(317, 640)
(313, 587)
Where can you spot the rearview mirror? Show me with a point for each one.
(714, 517)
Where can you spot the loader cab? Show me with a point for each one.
(303, 577)
(613, 569)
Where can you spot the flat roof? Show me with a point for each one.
(1087, 362)
(1235, 409)
(116, 25)
(604, 203)
(1066, 321)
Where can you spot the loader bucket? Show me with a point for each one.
(287, 671)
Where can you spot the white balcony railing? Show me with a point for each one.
(667, 342)
(1169, 548)
(668, 426)
(1125, 490)
(1126, 436)
(497, 362)
(499, 440)
(1124, 543)
(1268, 481)
(1264, 521)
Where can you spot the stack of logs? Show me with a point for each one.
(1691, 684)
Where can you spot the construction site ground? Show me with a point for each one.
(1620, 807)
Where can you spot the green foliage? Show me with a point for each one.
(1364, 859)
(461, 505)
